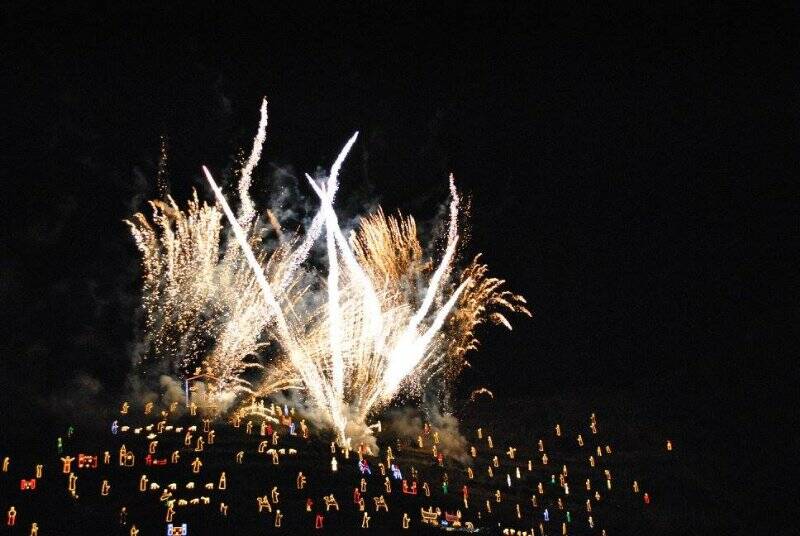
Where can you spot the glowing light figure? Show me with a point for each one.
(177, 530)
(363, 466)
(196, 465)
(263, 503)
(430, 516)
(67, 464)
(330, 502)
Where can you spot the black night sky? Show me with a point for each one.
(610, 156)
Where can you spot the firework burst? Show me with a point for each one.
(383, 320)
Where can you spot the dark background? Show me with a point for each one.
(622, 166)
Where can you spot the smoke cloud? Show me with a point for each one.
(409, 422)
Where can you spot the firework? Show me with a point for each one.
(202, 307)
(390, 318)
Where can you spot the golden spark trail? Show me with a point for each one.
(310, 376)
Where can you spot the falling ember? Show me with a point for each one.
(392, 319)
(481, 391)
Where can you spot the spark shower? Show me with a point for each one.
(379, 319)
